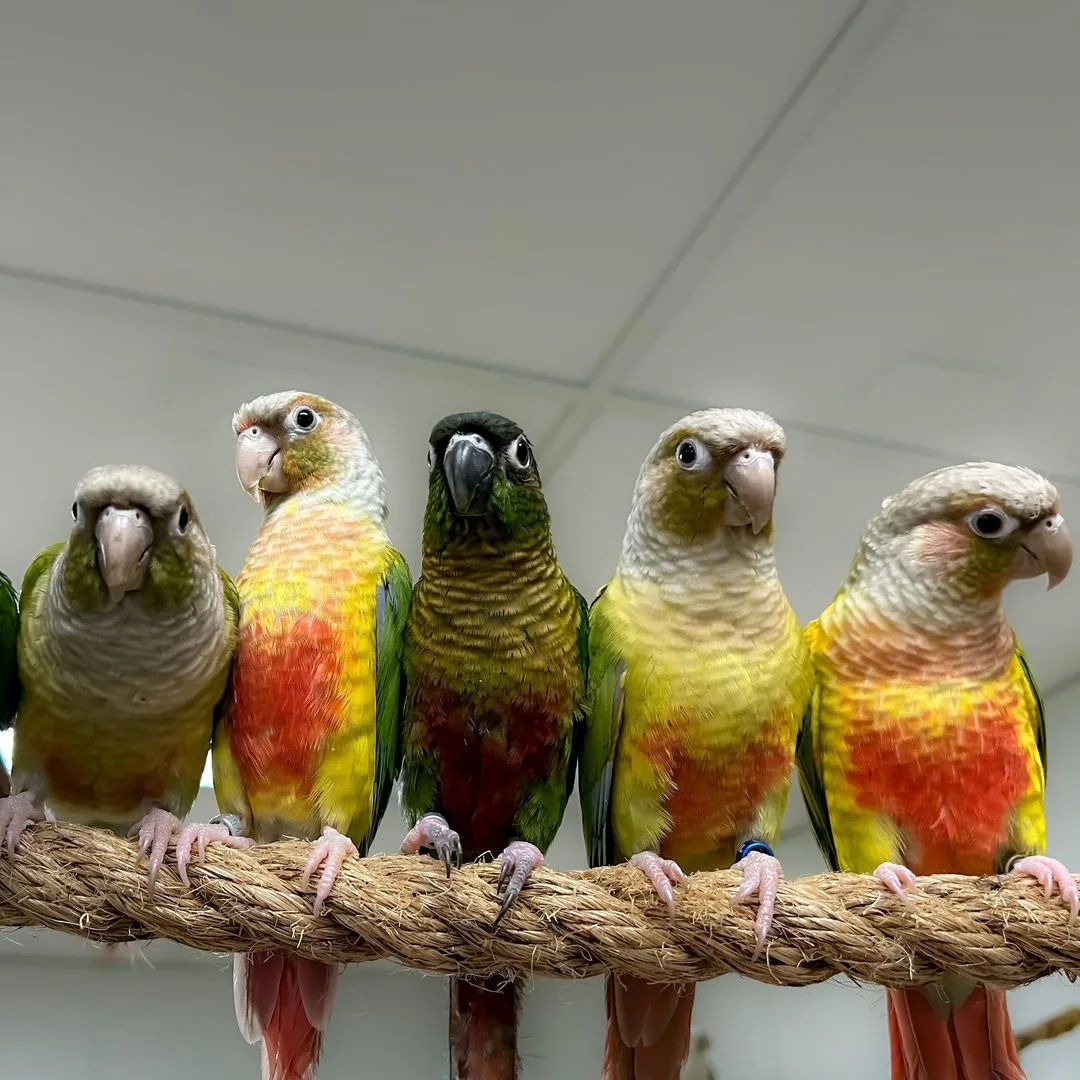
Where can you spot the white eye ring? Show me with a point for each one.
(990, 523)
(306, 414)
(430, 458)
(692, 455)
(520, 452)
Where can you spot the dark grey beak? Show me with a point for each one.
(468, 464)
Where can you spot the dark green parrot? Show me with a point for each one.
(495, 653)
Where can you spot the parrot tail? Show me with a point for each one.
(483, 1030)
(932, 1040)
(284, 1002)
(648, 1030)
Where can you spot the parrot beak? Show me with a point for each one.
(259, 463)
(750, 479)
(468, 464)
(1045, 548)
(124, 538)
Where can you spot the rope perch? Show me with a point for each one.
(564, 925)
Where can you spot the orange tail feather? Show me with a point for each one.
(284, 1002)
(970, 1041)
(648, 1030)
(483, 1030)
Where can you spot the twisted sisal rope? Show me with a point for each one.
(564, 925)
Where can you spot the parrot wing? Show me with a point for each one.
(603, 727)
(31, 597)
(9, 668)
(392, 597)
(810, 780)
(1038, 708)
(228, 786)
(578, 738)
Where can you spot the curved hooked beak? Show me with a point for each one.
(259, 463)
(1045, 548)
(468, 464)
(124, 538)
(750, 479)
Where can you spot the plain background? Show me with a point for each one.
(594, 217)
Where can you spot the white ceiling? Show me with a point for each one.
(592, 216)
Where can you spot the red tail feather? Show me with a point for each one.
(483, 1030)
(648, 1030)
(971, 1041)
(284, 1001)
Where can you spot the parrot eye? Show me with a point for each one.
(74, 511)
(304, 418)
(182, 519)
(522, 453)
(990, 523)
(691, 455)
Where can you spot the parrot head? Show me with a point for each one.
(293, 443)
(135, 531)
(713, 470)
(483, 481)
(973, 528)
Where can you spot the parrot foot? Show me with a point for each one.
(432, 833)
(761, 878)
(516, 863)
(155, 831)
(1048, 873)
(16, 812)
(329, 852)
(662, 874)
(897, 878)
(199, 837)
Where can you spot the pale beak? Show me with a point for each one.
(259, 463)
(750, 479)
(124, 538)
(1046, 548)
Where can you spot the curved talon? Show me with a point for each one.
(154, 831)
(432, 833)
(518, 860)
(761, 878)
(1048, 873)
(329, 852)
(662, 873)
(897, 878)
(200, 836)
(16, 813)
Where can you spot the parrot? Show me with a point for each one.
(308, 744)
(126, 636)
(9, 670)
(698, 682)
(496, 663)
(924, 750)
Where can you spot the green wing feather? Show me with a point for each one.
(813, 788)
(391, 608)
(1040, 707)
(603, 728)
(9, 668)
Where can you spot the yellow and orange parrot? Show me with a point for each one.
(698, 681)
(308, 745)
(924, 751)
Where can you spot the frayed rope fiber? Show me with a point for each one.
(1000, 931)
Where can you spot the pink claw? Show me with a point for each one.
(16, 812)
(155, 831)
(761, 878)
(1048, 873)
(897, 878)
(662, 873)
(518, 860)
(433, 833)
(199, 837)
(329, 852)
